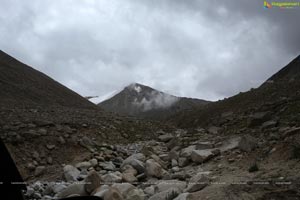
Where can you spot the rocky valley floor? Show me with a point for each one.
(182, 164)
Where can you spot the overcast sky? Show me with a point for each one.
(195, 48)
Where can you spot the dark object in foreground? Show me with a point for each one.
(11, 181)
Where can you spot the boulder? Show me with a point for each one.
(73, 189)
(166, 195)
(269, 124)
(197, 182)
(153, 169)
(86, 142)
(124, 188)
(173, 143)
(247, 143)
(111, 178)
(92, 181)
(129, 169)
(150, 190)
(158, 160)
(173, 155)
(113, 194)
(129, 177)
(58, 187)
(100, 191)
(135, 162)
(187, 152)
(50, 146)
(201, 156)
(182, 162)
(107, 166)
(135, 194)
(258, 118)
(165, 137)
(71, 173)
(174, 163)
(39, 170)
(83, 165)
(167, 184)
(213, 130)
(94, 162)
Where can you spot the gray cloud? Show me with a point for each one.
(205, 49)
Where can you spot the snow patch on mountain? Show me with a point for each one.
(135, 87)
(155, 100)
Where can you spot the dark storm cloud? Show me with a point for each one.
(205, 49)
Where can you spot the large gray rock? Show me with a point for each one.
(94, 162)
(258, 118)
(124, 188)
(73, 189)
(187, 152)
(230, 144)
(173, 155)
(92, 181)
(129, 177)
(197, 182)
(108, 166)
(166, 195)
(100, 191)
(201, 156)
(113, 194)
(158, 160)
(247, 143)
(83, 165)
(136, 161)
(111, 178)
(214, 130)
(58, 187)
(71, 173)
(87, 143)
(129, 174)
(135, 194)
(173, 143)
(182, 162)
(167, 184)
(150, 190)
(165, 137)
(269, 124)
(153, 169)
(39, 170)
(129, 192)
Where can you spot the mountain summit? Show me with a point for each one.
(143, 101)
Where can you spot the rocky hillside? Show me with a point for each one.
(44, 124)
(279, 95)
(143, 101)
(23, 86)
